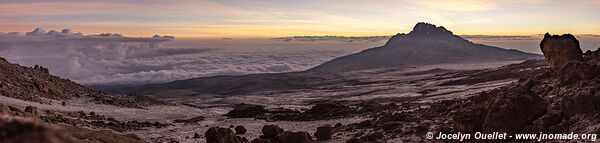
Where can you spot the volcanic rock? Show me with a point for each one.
(559, 50)
(271, 131)
(22, 131)
(295, 137)
(512, 110)
(221, 135)
(240, 130)
(324, 133)
(328, 109)
(576, 70)
(246, 111)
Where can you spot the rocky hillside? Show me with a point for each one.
(33, 83)
(425, 44)
(36, 84)
(563, 99)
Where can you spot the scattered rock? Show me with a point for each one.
(365, 123)
(513, 109)
(328, 109)
(574, 71)
(22, 131)
(246, 111)
(31, 109)
(196, 135)
(221, 135)
(240, 130)
(295, 137)
(271, 131)
(324, 133)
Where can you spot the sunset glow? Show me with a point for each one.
(274, 18)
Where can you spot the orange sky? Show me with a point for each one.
(275, 18)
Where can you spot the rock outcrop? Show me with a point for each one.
(295, 137)
(563, 99)
(564, 56)
(240, 130)
(275, 134)
(221, 135)
(271, 131)
(559, 50)
(13, 130)
(324, 133)
(246, 111)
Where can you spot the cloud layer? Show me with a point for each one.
(110, 58)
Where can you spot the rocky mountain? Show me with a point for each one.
(37, 84)
(34, 83)
(425, 44)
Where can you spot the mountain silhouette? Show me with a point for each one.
(425, 44)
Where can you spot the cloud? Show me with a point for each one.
(333, 38)
(110, 58)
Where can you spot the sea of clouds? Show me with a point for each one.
(111, 59)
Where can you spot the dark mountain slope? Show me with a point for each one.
(426, 44)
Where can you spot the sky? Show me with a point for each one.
(277, 18)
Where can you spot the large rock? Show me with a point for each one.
(324, 133)
(559, 50)
(221, 135)
(240, 130)
(581, 101)
(295, 137)
(576, 70)
(271, 131)
(246, 111)
(513, 109)
(14, 130)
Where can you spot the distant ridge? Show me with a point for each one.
(425, 44)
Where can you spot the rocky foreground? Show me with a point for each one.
(555, 95)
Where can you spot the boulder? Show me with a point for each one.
(221, 135)
(324, 133)
(581, 101)
(559, 50)
(240, 130)
(271, 131)
(14, 130)
(574, 71)
(196, 135)
(31, 110)
(295, 137)
(246, 111)
(512, 110)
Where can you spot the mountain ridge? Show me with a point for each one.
(426, 44)
(445, 48)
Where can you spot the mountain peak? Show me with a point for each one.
(428, 29)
